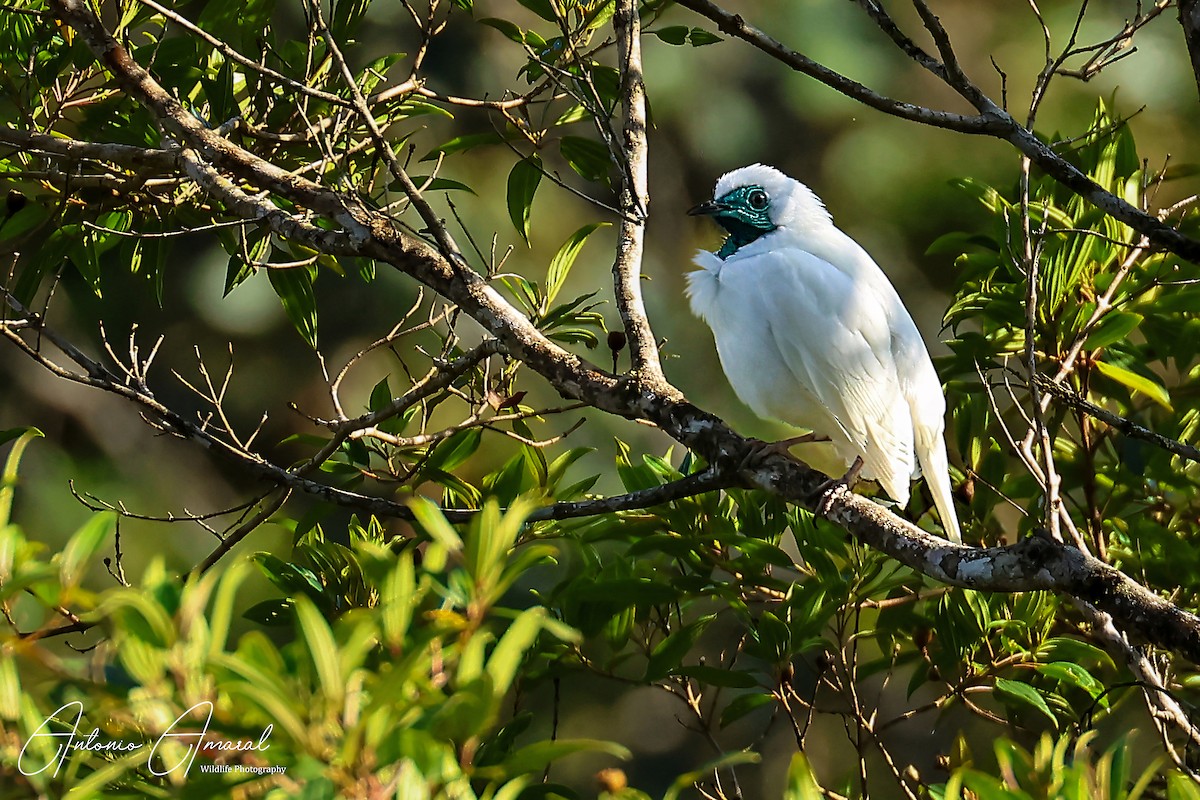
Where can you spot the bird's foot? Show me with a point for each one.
(805, 439)
(825, 492)
(761, 450)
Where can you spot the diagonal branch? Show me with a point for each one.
(736, 25)
(992, 120)
(1125, 426)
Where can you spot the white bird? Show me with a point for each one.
(811, 332)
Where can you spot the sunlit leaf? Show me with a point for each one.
(560, 265)
(1138, 383)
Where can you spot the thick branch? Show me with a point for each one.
(1036, 562)
(126, 155)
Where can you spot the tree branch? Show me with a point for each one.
(991, 121)
(635, 198)
(1189, 19)
(1125, 426)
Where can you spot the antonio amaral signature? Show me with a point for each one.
(193, 741)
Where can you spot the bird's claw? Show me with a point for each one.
(760, 450)
(825, 492)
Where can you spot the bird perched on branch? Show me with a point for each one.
(811, 332)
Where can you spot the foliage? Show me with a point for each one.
(1116, 318)
(402, 694)
(397, 659)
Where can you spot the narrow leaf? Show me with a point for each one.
(8, 480)
(1135, 382)
(523, 182)
(430, 518)
(84, 544)
(534, 757)
(321, 648)
(510, 650)
(295, 289)
(560, 265)
(1022, 694)
(1113, 327)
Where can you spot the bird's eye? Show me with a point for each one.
(758, 199)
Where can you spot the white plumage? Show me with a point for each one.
(811, 332)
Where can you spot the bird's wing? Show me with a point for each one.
(834, 335)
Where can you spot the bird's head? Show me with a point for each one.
(753, 201)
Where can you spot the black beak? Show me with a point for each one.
(709, 208)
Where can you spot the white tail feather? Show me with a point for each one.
(931, 453)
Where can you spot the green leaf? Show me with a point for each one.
(295, 289)
(668, 653)
(587, 157)
(700, 37)
(460, 144)
(8, 480)
(322, 649)
(742, 705)
(1022, 694)
(523, 182)
(958, 242)
(601, 14)
(83, 545)
(291, 578)
(438, 184)
(236, 273)
(134, 614)
(801, 780)
(509, 29)
(510, 650)
(1135, 382)
(1182, 787)
(271, 613)
(223, 601)
(454, 451)
(534, 757)
(1113, 327)
(561, 264)
(1073, 675)
(22, 222)
(10, 690)
(430, 518)
(625, 592)
(381, 395)
(688, 779)
(982, 192)
(715, 676)
(543, 8)
(672, 34)
(1062, 648)
(525, 291)
(573, 114)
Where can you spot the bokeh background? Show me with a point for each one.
(713, 108)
